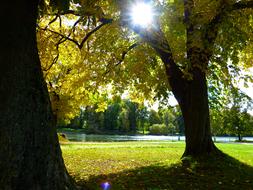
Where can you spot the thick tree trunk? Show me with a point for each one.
(195, 110)
(192, 97)
(30, 155)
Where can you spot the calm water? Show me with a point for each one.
(110, 138)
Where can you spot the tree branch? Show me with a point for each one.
(124, 53)
(105, 21)
(63, 36)
(55, 58)
(72, 12)
(157, 40)
(242, 5)
(52, 21)
(154, 36)
(212, 27)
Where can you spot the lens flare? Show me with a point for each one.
(105, 186)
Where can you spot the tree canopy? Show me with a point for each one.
(89, 52)
(95, 48)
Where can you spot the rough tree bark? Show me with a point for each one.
(30, 155)
(193, 100)
(195, 111)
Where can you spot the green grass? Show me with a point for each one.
(242, 152)
(157, 165)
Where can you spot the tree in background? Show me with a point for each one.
(91, 120)
(111, 116)
(124, 123)
(143, 118)
(237, 123)
(168, 117)
(154, 117)
(246, 123)
(120, 115)
(132, 115)
(231, 119)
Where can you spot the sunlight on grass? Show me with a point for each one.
(105, 158)
(138, 165)
(242, 152)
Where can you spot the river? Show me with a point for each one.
(81, 137)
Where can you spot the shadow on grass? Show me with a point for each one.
(210, 173)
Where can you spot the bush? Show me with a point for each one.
(158, 129)
(62, 137)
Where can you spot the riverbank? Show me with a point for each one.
(83, 137)
(156, 165)
(99, 132)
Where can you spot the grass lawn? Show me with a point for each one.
(157, 165)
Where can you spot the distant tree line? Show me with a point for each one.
(230, 117)
(123, 116)
(232, 121)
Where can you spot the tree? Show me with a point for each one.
(237, 122)
(132, 115)
(191, 42)
(142, 117)
(203, 24)
(168, 117)
(231, 116)
(246, 123)
(92, 121)
(111, 116)
(124, 124)
(30, 153)
(154, 118)
(217, 121)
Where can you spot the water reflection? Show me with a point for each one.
(112, 138)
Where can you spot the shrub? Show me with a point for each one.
(62, 137)
(158, 129)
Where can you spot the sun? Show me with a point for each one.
(142, 14)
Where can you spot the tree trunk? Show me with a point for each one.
(195, 110)
(30, 155)
(192, 97)
(239, 137)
